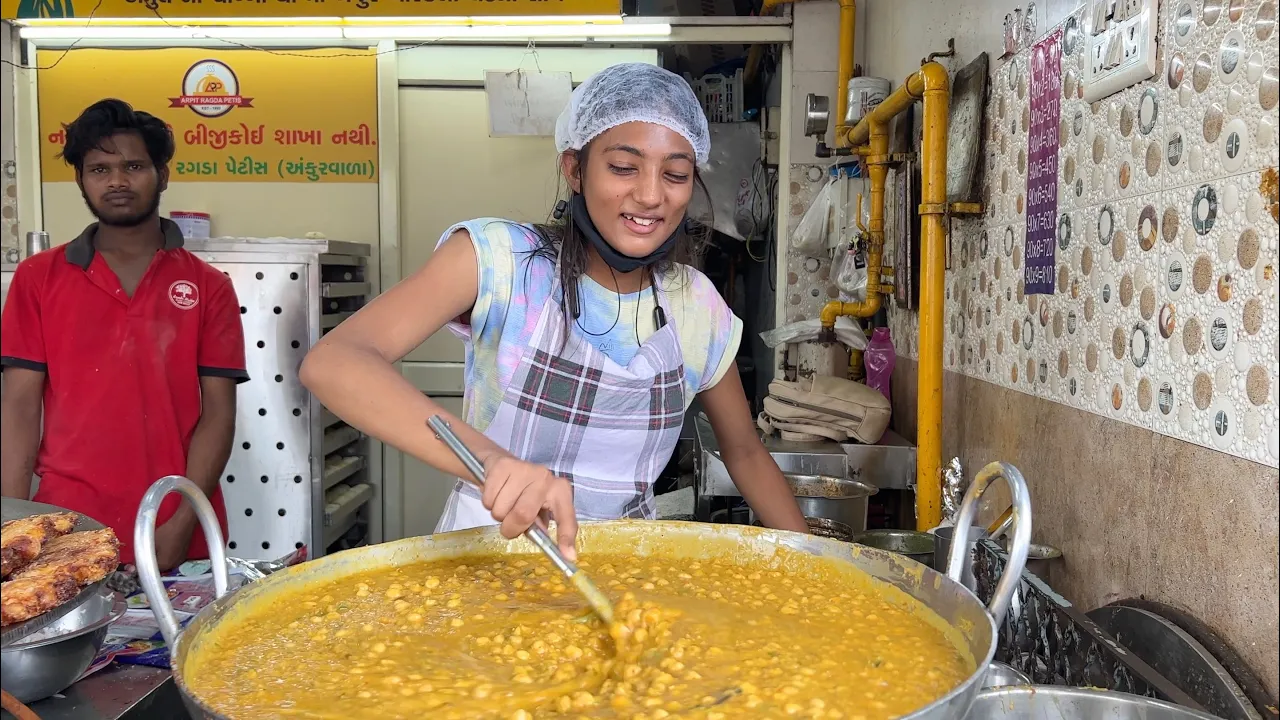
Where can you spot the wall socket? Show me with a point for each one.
(1097, 51)
(1125, 53)
(1129, 45)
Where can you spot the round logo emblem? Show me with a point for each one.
(184, 294)
(211, 89)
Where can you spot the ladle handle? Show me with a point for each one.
(960, 556)
(144, 550)
(535, 533)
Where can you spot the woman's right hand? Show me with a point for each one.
(517, 493)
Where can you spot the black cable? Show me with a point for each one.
(65, 51)
(577, 318)
(237, 44)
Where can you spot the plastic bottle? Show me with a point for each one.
(879, 359)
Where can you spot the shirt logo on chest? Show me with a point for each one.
(184, 294)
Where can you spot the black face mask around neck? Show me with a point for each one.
(614, 259)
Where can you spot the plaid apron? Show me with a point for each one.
(608, 429)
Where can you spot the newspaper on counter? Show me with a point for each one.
(135, 639)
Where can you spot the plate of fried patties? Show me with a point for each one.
(45, 563)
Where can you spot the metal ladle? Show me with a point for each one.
(596, 599)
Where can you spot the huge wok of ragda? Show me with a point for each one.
(505, 637)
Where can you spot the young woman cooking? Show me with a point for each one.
(586, 340)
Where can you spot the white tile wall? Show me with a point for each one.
(1167, 309)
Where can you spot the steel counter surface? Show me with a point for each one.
(118, 692)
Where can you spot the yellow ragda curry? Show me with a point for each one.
(506, 638)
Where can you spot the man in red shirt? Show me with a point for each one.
(132, 345)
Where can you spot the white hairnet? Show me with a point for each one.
(631, 92)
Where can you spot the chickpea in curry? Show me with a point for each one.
(507, 638)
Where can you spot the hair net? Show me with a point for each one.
(632, 92)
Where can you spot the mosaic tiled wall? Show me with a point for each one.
(9, 243)
(809, 279)
(1165, 314)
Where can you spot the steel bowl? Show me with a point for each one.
(51, 660)
(915, 545)
(1051, 702)
(823, 527)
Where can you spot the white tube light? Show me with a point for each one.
(469, 20)
(179, 22)
(151, 32)
(507, 32)
(457, 21)
(566, 32)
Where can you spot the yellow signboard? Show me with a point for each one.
(236, 115)
(108, 9)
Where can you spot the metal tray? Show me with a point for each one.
(964, 137)
(13, 509)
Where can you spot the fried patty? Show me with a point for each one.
(67, 564)
(22, 539)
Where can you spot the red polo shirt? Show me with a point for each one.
(122, 387)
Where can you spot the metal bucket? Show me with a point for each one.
(831, 498)
(915, 545)
(975, 624)
(943, 539)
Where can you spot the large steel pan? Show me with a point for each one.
(974, 625)
(1046, 702)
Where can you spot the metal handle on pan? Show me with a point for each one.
(144, 549)
(959, 555)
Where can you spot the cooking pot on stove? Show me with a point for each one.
(975, 624)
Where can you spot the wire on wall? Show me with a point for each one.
(237, 45)
(763, 211)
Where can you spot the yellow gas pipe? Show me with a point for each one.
(932, 86)
(844, 61)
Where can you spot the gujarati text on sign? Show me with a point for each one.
(236, 115)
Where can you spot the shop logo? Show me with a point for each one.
(210, 88)
(184, 295)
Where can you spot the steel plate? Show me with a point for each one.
(1179, 657)
(14, 509)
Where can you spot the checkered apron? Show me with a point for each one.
(606, 428)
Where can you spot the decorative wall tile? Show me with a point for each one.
(9, 242)
(809, 280)
(1166, 313)
(1218, 92)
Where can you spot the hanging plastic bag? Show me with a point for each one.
(851, 278)
(848, 331)
(811, 234)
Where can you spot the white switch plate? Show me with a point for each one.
(1137, 37)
